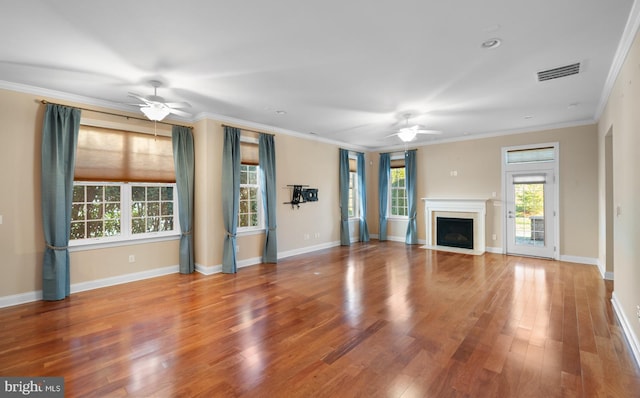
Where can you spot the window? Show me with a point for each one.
(250, 210)
(353, 194)
(354, 191)
(249, 214)
(398, 191)
(103, 212)
(124, 187)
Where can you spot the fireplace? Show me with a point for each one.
(473, 209)
(454, 232)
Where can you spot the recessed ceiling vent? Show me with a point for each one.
(557, 73)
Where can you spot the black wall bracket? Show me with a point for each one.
(302, 194)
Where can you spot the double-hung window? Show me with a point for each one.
(354, 190)
(124, 187)
(398, 189)
(251, 208)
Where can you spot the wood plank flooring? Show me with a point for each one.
(374, 320)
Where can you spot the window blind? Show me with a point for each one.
(249, 153)
(530, 179)
(545, 154)
(124, 156)
(397, 163)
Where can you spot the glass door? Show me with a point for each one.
(530, 213)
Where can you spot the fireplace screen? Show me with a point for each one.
(454, 232)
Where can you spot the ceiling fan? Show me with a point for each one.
(408, 133)
(155, 108)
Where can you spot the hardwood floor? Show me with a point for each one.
(379, 319)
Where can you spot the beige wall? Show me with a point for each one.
(478, 167)
(21, 239)
(299, 161)
(622, 119)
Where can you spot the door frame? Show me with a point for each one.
(548, 165)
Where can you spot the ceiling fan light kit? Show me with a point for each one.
(155, 112)
(407, 134)
(155, 108)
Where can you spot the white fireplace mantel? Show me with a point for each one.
(476, 206)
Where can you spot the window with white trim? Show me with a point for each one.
(124, 187)
(250, 212)
(354, 191)
(113, 211)
(398, 189)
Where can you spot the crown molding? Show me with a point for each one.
(276, 130)
(624, 46)
(63, 96)
(532, 129)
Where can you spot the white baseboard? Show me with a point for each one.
(579, 260)
(632, 339)
(216, 269)
(126, 278)
(28, 297)
(603, 271)
(22, 298)
(208, 269)
(494, 250)
(308, 249)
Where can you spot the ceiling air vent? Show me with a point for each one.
(557, 73)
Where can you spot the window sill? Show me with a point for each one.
(251, 231)
(77, 247)
(398, 218)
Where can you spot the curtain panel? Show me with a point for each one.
(412, 196)
(362, 196)
(345, 239)
(383, 194)
(59, 142)
(184, 163)
(267, 163)
(230, 196)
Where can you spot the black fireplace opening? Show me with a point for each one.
(454, 232)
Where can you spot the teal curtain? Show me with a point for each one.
(412, 196)
(383, 194)
(230, 196)
(184, 163)
(267, 162)
(362, 196)
(345, 239)
(59, 142)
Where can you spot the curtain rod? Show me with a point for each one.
(395, 152)
(113, 114)
(243, 129)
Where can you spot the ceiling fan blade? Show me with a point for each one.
(141, 98)
(179, 113)
(178, 104)
(434, 132)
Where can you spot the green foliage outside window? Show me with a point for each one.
(398, 192)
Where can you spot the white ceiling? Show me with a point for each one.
(344, 70)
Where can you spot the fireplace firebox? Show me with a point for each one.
(454, 232)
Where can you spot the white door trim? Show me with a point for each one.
(555, 166)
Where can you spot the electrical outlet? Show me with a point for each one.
(494, 236)
(638, 312)
(306, 236)
(132, 258)
(237, 248)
